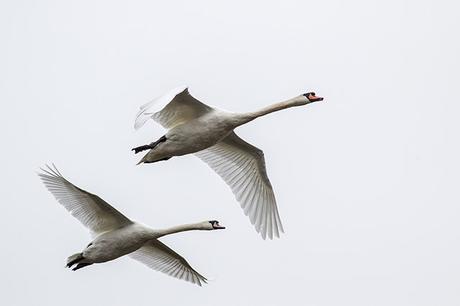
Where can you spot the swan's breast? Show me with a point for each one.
(116, 243)
(199, 134)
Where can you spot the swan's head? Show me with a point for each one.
(311, 97)
(214, 224)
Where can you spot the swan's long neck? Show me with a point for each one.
(297, 101)
(182, 228)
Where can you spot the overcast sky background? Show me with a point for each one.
(366, 182)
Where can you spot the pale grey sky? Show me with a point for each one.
(366, 182)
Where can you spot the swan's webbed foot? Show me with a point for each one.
(74, 259)
(81, 265)
(149, 146)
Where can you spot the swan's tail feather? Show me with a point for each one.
(148, 159)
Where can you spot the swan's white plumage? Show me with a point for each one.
(160, 257)
(104, 220)
(147, 110)
(171, 109)
(92, 211)
(242, 166)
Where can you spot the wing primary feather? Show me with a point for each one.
(242, 166)
(160, 257)
(260, 207)
(268, 215)
(253, 204)
(89, 209)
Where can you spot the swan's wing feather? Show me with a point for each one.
(242, 166)
(92, 211)
(171, 109)
(158, 256)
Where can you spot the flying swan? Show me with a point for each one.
(115, 235)
(194, 127)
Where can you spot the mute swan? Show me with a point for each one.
(115, 235)
(194, 127)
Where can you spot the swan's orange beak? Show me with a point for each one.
(311, 96)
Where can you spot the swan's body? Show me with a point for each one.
(115, 235)
(193, 136)
(194, 127)
(113, 244)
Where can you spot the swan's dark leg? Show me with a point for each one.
(81, 265)
(149, 146)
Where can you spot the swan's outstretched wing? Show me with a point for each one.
(160, 257)
(242, 167)
(171, 109)
(89, 209)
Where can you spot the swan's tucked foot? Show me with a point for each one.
(149, 146)
(141, 148)
(75, 258)
(81, 265)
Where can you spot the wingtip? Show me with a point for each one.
(202, 281)
(141, 119)
(146, 111)
(46, 170)
(271, 235)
